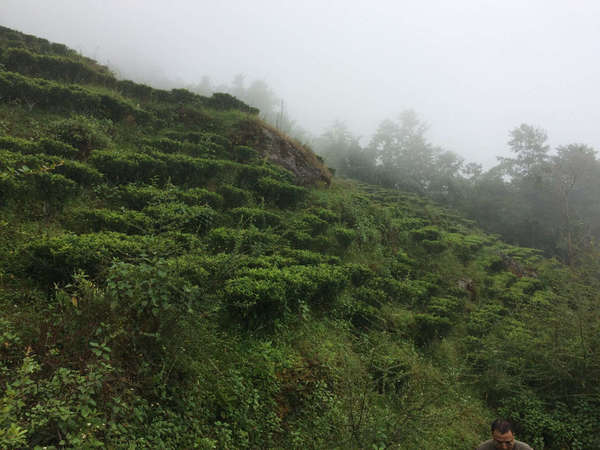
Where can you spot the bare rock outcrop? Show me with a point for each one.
(277, 148)
(300, 161)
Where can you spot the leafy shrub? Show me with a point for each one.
(165, 145)
(64, 408)
(84, 220)
(184, 169)
(434, 246)
(138, 196)
(221, 101)
(244, 154)
(31, 178)
(325, 214)
(299, 239)
(49, 187)
(311, 223)
(359, 274)
(215, 141)
(179, 216)
(133, 196)
(56, 148)
(482, 320)
(464, 246)
(128, 167)
(445, 306)
(17, 145)
(429, 233)
(234, 196)
(255, 216)
(553, 424)
(57, 68)
(306, 257)
(248, 240)
(284, 195)
(344, 236)
(411, 292)
(249, 175)
(430, 326)
(201, 196)
(55, 96)
(84, 133)
(56, 259)
(44, 145)
(263, 296)
(139, 91)
(407, 224)
(401, 265)
(370, 296)
(81, 173)
(153, 295)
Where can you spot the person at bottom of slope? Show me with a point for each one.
(503, 438)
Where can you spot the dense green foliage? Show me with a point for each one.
(163, 287)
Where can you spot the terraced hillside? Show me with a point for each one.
(174, 273)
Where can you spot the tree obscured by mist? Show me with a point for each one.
(537, 198)
(259, 95)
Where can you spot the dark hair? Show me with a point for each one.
(502, 425)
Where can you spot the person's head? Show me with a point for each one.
(502, 434)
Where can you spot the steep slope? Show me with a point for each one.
(174, 273)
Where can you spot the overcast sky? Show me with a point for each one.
(473, 69)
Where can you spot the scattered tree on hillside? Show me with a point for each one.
(530, 146)
(258, 95)
(575, 173)
(403, 155)
(341, 150)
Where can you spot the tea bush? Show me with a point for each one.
(165, 145)
(82, 174)
(244, 154)
(201, 196)
(59, 68)
(222, 101)
(344, 236)
(45, 145)
(263, 296)
(84, 133)
(56, 259)
(84, 220)
(311, 223)
(255, 216)
(179, 216)
(128, 167)
(217, 142)
(56, 148)
(249, 240)
(429, 233)
(234, 196)
(17, 145)
(306, 257)
(199, 172)
(284, 195)
(299, 239)
(58, 97)
(138, 196)
(30, 186)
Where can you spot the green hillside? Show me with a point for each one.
(175, 273)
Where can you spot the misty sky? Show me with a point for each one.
(473, 69)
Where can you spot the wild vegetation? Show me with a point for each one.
(163, 285)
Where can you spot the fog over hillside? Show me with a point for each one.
(472, 69)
